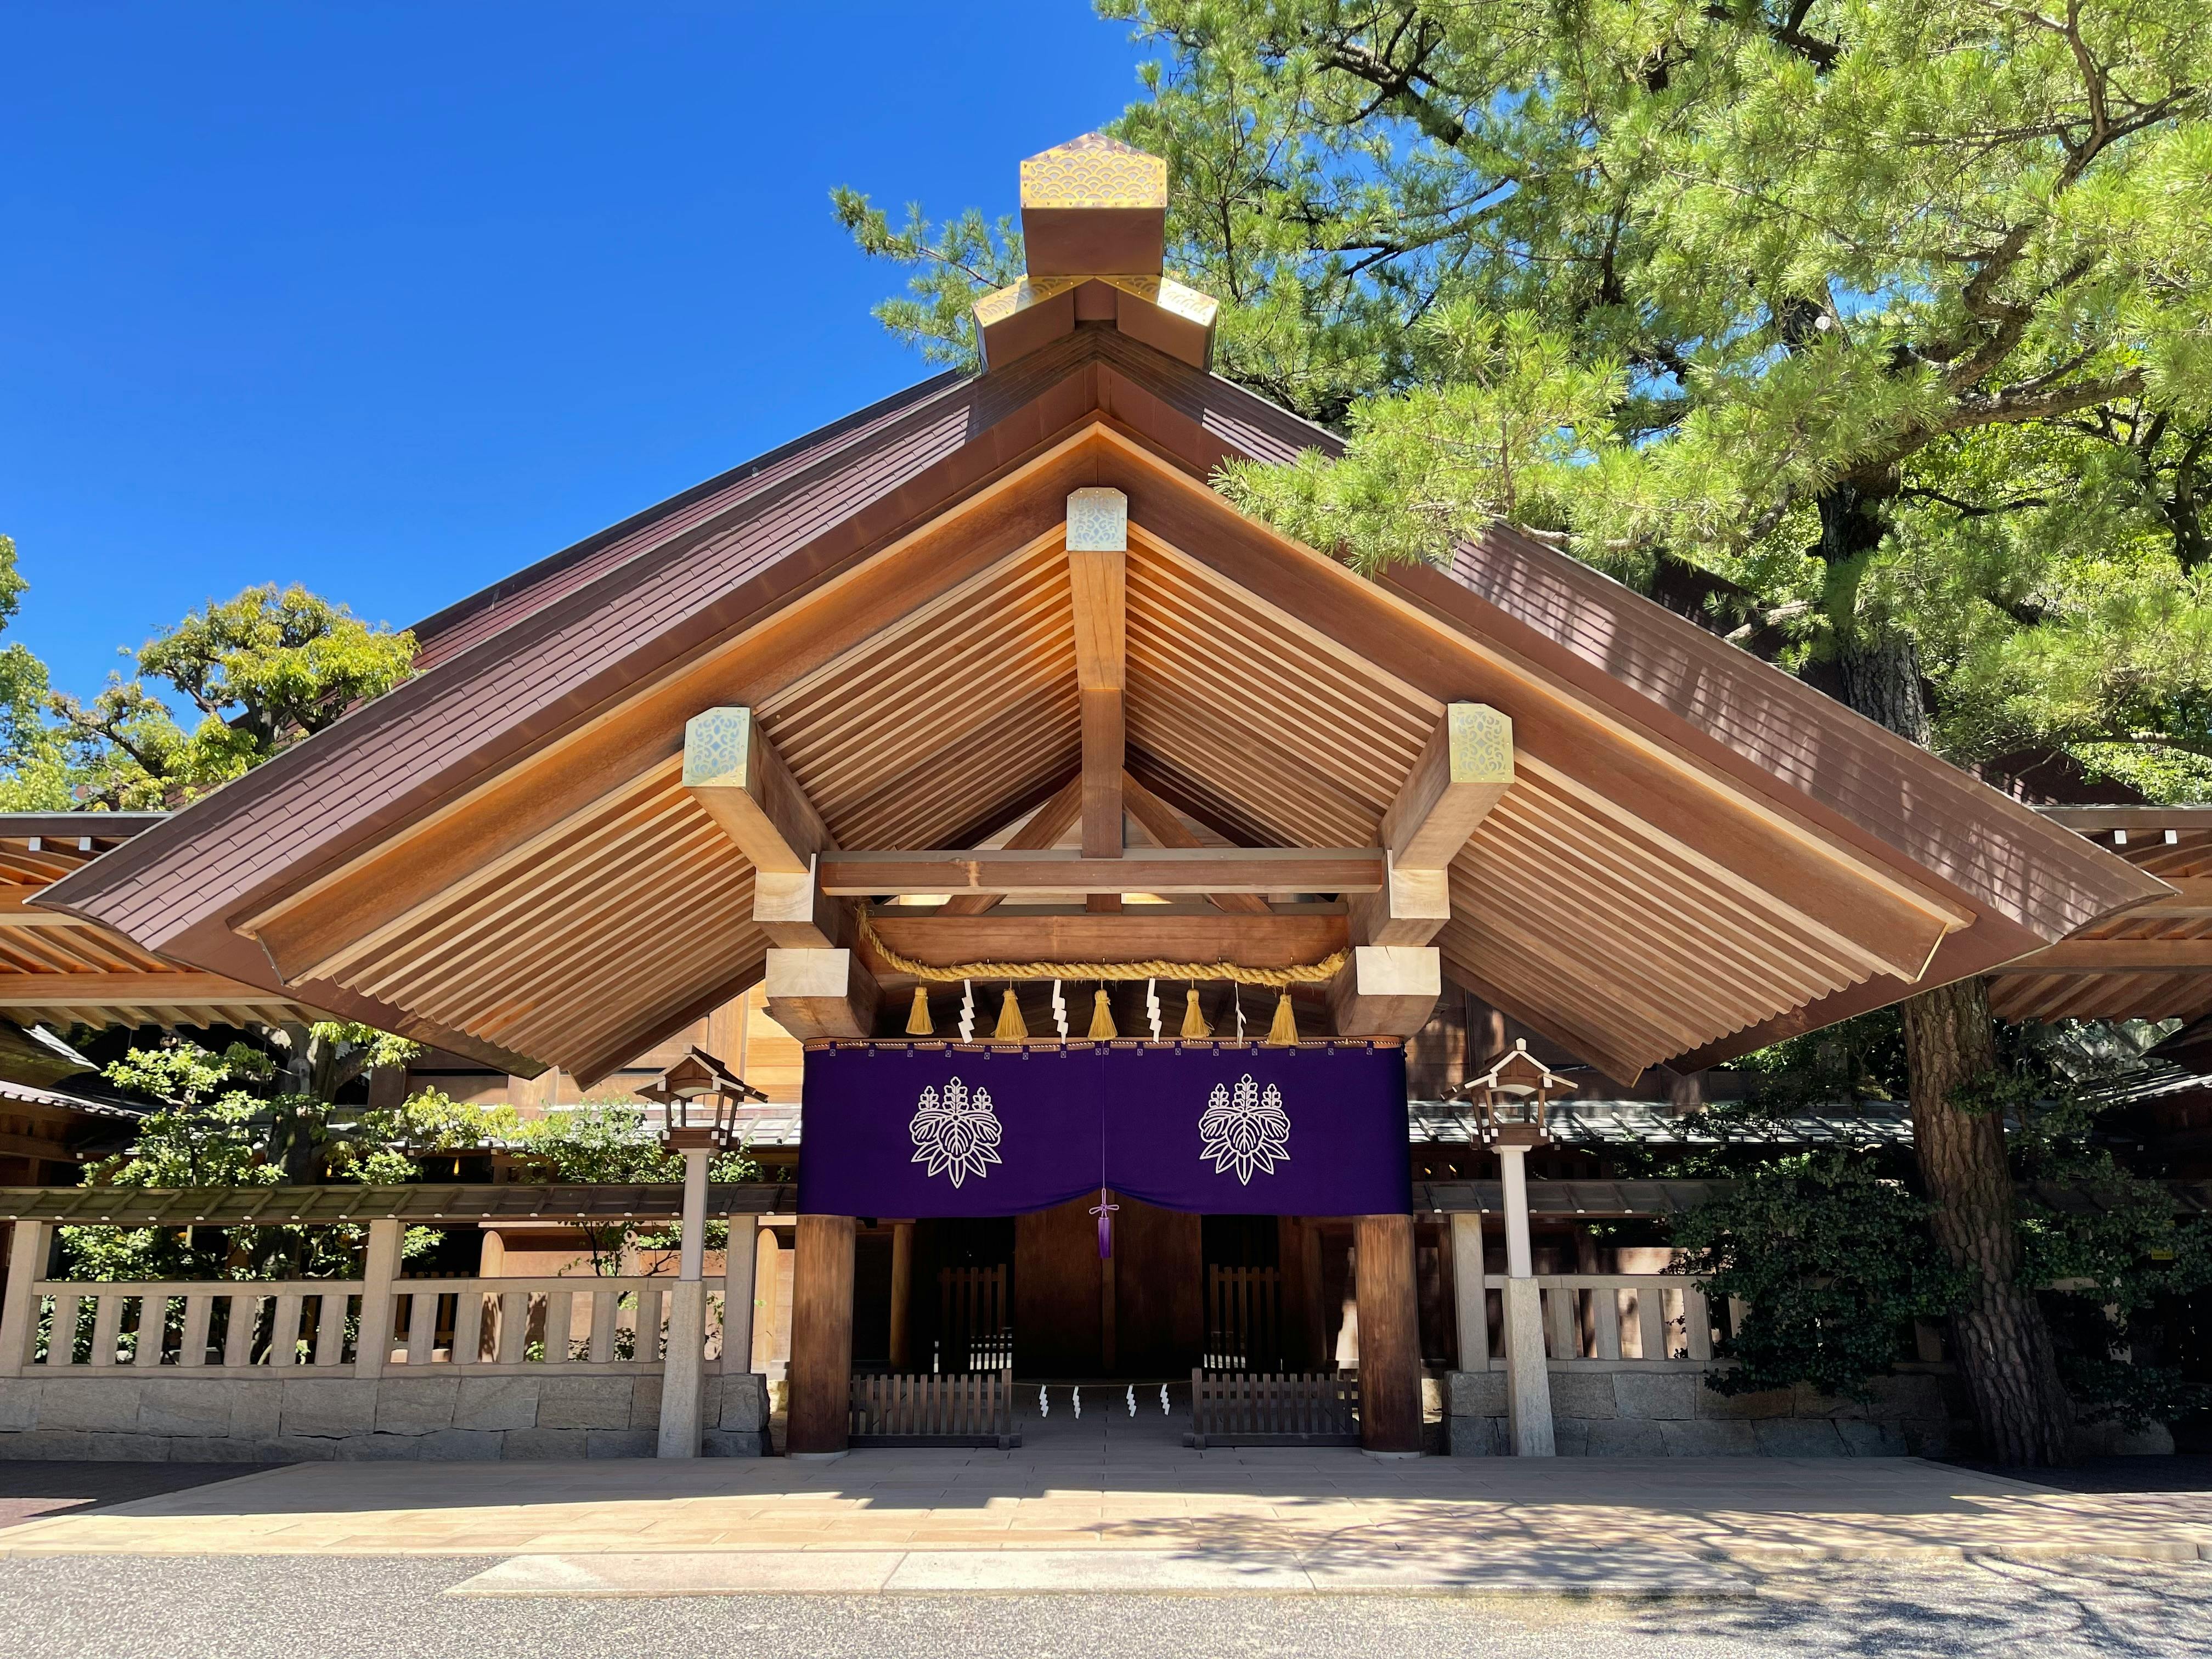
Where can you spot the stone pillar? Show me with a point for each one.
(902, 1295)
(683, 1369)
(372, 1347)
(19, 1308)
(739, 1264)
(1469, 1304)
(821, 1337)
(1389, 1337)
(1527, 1376)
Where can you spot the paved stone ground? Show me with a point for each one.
(1290, 1508)
(216, 1607)
(33, 1489)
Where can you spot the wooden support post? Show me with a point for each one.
(684, 1369)
(767, 1299)
(902, 1295)
(822, 1337)
(740, 1263)
(379, 1267)
(822, 993)
(1528, 1374)
(1389, 1337)
(19, 1308)
(1469, 1303)
(1386, 990)
(1463, 771)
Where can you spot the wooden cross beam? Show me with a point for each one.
(816, 987)
(1169, 872)
(1165, 826)
(1046, 825)
(1462, 771)
(734, 773)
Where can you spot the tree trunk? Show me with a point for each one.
(1999, 1339)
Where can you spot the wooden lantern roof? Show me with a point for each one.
(1695, 852)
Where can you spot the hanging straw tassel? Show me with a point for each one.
(917, 1023)
(1193, 1022)
(1011, 1028)
(1284, 1033)
(1101, 1019)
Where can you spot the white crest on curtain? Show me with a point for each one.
(1245, 1130)
(955, 1134)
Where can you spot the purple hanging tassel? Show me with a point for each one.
(1104, 1212)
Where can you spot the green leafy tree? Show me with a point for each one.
(227, 1119)
(264, 670)
(31, 766)
(611, 1143)
(1833, 1263)
(1891, 322)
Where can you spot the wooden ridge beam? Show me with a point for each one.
(1045, 826)
(1462, 771)
(1165, 826)
(1284, 938)
(1193, 871)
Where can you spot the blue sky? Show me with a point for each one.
(392, 300)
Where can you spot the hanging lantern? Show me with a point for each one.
(699, 1098)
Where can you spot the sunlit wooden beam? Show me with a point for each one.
(1462, 771)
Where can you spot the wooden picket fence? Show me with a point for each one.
(1244, 1319)
(952, 1408)
(1272, 1408)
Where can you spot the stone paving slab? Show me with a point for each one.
(1029, 1572)
(1452, 1516)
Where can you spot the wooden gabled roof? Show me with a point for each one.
(499, 856)
(61, 969)
(2150, 961)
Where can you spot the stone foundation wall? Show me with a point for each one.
(117, 1417)
(1672, 1414)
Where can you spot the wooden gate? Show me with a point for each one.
(1272, 1408)
(973, 1332)
(964, 1408)
(1244, 1319)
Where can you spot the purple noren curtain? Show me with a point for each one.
(931, 1129)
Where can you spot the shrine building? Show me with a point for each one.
(1103, 850)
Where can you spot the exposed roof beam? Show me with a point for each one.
(1462, 771)
(1386, 990)
(2192, 896)
(820, 994)
(733, 771)
(2116, 956)
(1166, 828)
(1196, 871)
(1098, 597)
(1046, 825)
(1278, 939)
(36, 990)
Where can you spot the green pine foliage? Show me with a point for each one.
(1657, 282)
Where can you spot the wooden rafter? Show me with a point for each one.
(738, 775)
